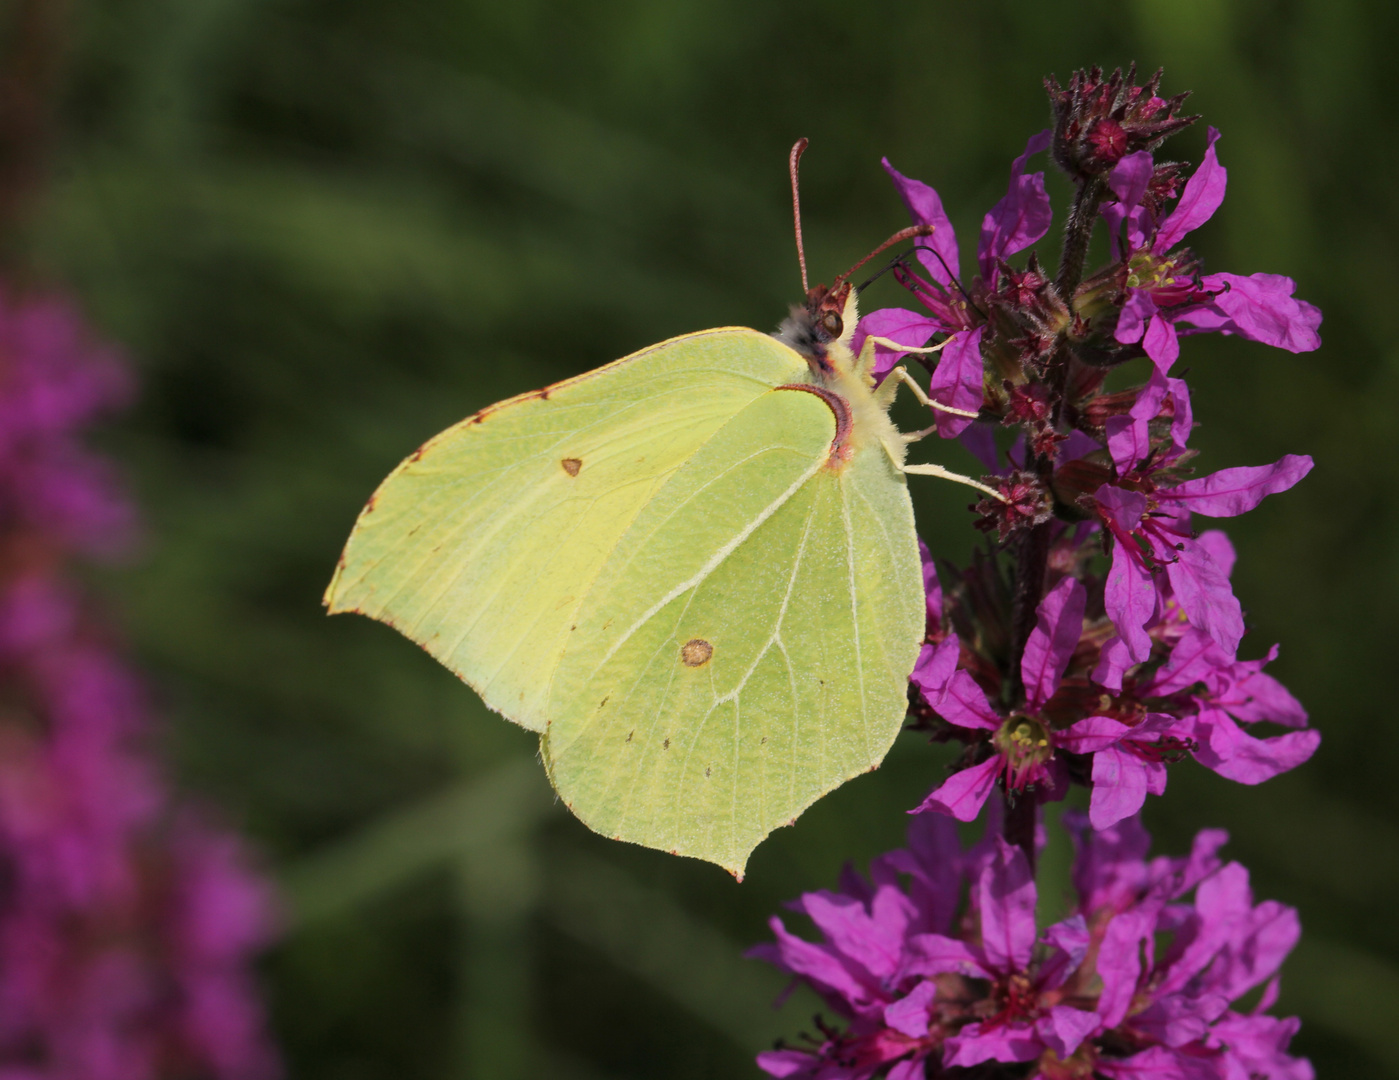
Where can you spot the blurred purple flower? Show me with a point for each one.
(127, 924)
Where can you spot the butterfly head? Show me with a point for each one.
(821, 328)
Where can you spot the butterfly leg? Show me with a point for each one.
(958, 478)
(865, 361)
(899, 375)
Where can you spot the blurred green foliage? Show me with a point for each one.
(325, 230)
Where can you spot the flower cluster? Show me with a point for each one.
(936, 962)
(1118, 673)
(1094, 641)
(127, 921)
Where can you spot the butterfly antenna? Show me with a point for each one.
(897, 260)
(797, 150)
(898, 238)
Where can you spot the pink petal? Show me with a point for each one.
(1161, 343)
(1159, 1063)
(783, 1063)
(1231, 492)
(1006, 892)
(1058, 626)
(1216, 542)
(964, 793)
(1182, 419)
(897, 324)
(925, 207)
(909, 1015)
(936, 954)
(1131, 322)
(1261, 307)
(874, 940)
(1120, 783)
(1233, 753)
(1068, 943)
(1206, 597)
(1268, 700)
(932, 588)
(1122, 508)
(1091, 735)
(1113, 663)
(812, 962)
(1273, 931)
(1129, 178)
(1065, 1028)
(1204, 191)
(1129, 437)
(909, 1069)
(1021, 217)
(1130, 593)
(935, 668)
(1120, 962)
(980, 442)
(1195, 657)
(964, 703)
(958, 380)
(976, 1043)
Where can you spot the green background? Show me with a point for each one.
(325, 230)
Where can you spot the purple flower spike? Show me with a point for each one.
(129, 922)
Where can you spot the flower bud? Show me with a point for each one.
(1098, 121)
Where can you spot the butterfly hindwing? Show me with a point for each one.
(746, 648)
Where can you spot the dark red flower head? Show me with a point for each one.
(1098, 121)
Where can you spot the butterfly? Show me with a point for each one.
(692, 571)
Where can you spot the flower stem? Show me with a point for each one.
(1078, 230)
(1032, 554)
(1021, 820)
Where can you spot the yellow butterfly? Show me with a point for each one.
(693, 571)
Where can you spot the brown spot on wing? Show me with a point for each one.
(572, 465)
(696, 652)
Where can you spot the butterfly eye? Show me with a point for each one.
(832, 324)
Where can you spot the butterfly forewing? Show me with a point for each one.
(482, 545)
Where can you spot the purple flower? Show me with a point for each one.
(1120, 741)
(1147, 515)
(1017, 221)
(1162, 287)
(1220, 693)
(923, 988)
(1022, 744)
(1026, 747)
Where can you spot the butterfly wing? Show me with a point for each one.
(482, 544)
(746, 647)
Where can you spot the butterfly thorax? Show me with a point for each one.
(821, 331)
